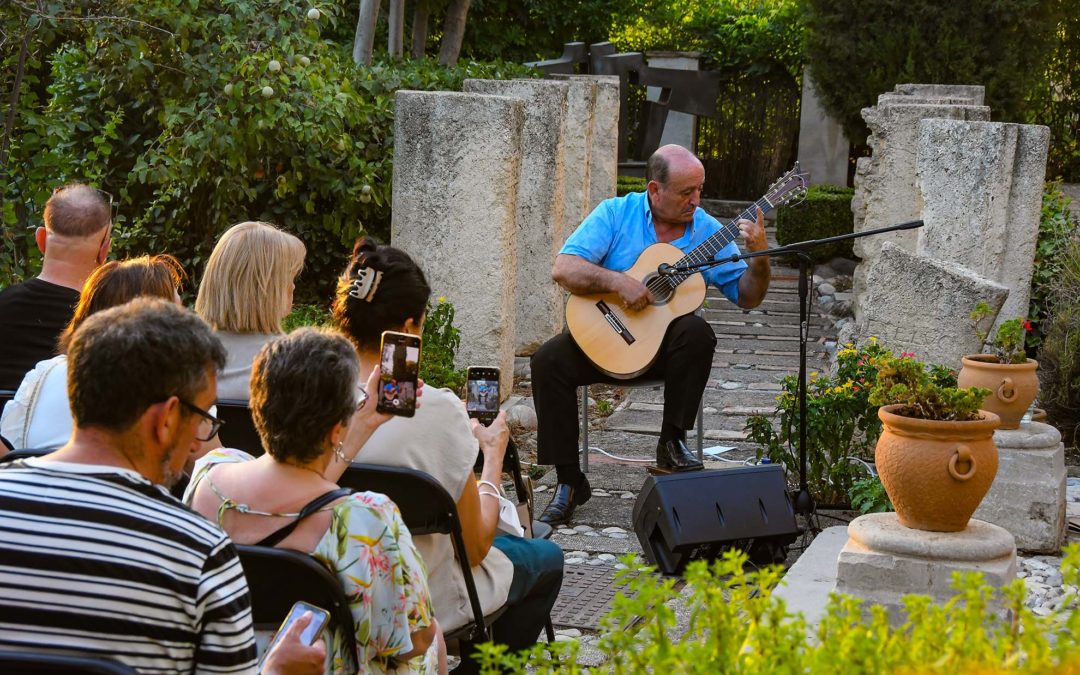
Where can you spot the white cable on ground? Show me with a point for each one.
(593, 448)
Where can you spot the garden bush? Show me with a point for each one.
(1056, 229)
(737, 624)
(627, 184)
(1059, 353)
(826, 212)
(199, 115)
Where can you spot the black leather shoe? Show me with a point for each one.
(675, 456)
(566, 498)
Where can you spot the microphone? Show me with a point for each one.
(666, 270)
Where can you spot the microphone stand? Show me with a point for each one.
(804, 503)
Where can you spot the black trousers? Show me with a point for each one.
(559, 367)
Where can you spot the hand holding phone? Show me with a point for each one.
(400, 365)
(293, 648)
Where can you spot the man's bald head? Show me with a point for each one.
(77, 211)
(666, 157)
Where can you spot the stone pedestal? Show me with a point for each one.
(883, 561)
(1027, 497)
(823, 146)
(457, 161)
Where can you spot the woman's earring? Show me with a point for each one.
(341, 455)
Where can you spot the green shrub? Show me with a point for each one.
(440, 342)
(1059, 353)
(627, 184)
(199, 115)
(306, 315)
(868, 495)
(737, 624)
(826, 212)
(1056, 230)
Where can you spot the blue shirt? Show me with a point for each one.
(619, 229)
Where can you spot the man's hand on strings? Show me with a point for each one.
(753, 232)
(635, 295)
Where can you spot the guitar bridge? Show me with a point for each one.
(614, 322)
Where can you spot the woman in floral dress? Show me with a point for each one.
(304, 401)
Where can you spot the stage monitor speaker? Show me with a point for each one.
(699, 514)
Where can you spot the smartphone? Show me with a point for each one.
(482, 393)
(400, 371)
(319, 618)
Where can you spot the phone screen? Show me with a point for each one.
(400, 370)
(311, 633)
(482, 393)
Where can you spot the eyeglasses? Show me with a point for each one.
(209, 425)
(362, 397)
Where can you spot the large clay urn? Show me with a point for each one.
(936, 473)
(1012, 386)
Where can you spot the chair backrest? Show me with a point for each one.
(5, 396)
(39, 663)
(279, 577)
(426, 508)
(239, 430)
(25, 453)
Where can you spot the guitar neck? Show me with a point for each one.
(708, 249)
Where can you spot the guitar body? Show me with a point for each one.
(622, 343)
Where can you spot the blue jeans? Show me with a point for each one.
(538, 573)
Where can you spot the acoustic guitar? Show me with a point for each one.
(624, 344)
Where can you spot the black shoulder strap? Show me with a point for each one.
(275, 537)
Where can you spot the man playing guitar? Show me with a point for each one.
(593, 260)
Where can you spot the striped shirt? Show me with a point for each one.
(100, 561)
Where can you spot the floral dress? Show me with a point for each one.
(371, 551)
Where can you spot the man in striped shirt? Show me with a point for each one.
(96, 557)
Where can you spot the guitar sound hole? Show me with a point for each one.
(661, 288)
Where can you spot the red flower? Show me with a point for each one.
(1027, 326)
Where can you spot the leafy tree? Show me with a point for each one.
(858, 49)
(199, 115)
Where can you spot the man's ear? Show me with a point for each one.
(164, 419)
(652, 188)
(39, 237)
(103, 250)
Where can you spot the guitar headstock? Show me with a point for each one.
(789, 189)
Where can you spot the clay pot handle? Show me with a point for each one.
(1006, 391)
(961, 454)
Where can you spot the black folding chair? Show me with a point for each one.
(5, 396)
(279, 577)
(426, 508)
(44, 662)
(239, 430)
(25, 453)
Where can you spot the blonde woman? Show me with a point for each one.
(246, 291)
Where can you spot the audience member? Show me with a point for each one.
(245, 292)
(39, 416)
(523, 574)
(96, 557)
(74, 240)
(304, 401)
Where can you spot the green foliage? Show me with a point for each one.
(533, 30)
(440, 342)
(1056, 102)
(746, 36)
(1008, 342)
(1056, 230)
(738, 625)
(929, 394)
(868, 495)
(627, 184)
(841, 423)
(859, 49)
(199, 115)
(306, 315)
(826, 212)
(1059, 353)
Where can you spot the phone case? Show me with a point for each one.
(482, 393)
(400, 362)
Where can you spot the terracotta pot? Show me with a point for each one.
(936, 473)
(1012, 386)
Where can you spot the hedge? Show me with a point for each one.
(826, 212)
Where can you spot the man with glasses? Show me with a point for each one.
(96, 557)
(74, 240)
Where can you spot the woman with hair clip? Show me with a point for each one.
(383, 289)
(245, 293)
(38, 416)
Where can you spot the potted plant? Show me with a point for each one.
(936, 455)
(1005, 371)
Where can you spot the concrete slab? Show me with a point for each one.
(808, 583)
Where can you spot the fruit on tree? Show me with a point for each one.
(267, 91)
(305, 61)
(274, 66)
(313, 14)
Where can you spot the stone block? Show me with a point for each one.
(919, 304)
(823, 146)
(538, 305)
(981, 186)
(973, 93)
(580, 104)
(604, 138)
(1027, 497)
(457, 160)
(883, 561)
